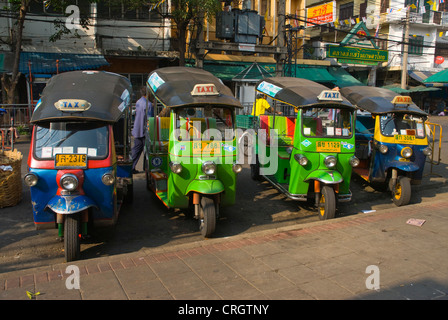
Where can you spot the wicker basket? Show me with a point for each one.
(10, 181)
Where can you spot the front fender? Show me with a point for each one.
(205, 186)
(70, 204)
(325, 176)
(406, 166)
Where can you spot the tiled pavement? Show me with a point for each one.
(314, 261)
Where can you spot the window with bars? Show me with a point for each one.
(122, 10)
(346, 11)
(415, 45)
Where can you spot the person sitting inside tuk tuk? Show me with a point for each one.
(261, 105)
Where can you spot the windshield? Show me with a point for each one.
(71, 137)
(402, 124)
(205, 123)
(327, 122)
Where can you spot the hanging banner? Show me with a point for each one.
(322, 14)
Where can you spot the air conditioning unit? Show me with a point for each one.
(319, 51)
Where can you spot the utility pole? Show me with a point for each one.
(280, 57)
(404, 68)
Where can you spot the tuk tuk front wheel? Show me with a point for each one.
(207, 216)
(327, 203)
(72, 237)
(401, 194)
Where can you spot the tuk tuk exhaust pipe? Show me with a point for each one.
(317, 191)
(196, 200)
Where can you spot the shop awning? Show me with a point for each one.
(320, 75)
(343, 78)
(397, 88)
(51, 63)
(420, 76)
(439, 79)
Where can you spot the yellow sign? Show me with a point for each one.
(402, 100)
(401, 138)
(324, 13)
(204, 90)
(206, 149)
(70, 160)
(328, 146)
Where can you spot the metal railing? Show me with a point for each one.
(17, 114)
(13, 117)
(432, 141)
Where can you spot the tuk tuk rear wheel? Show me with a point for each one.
(401, 194)
(327, 203)
(72, 237)
(207, 216)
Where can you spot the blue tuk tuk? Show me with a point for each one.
(80, 166)
(391, 140)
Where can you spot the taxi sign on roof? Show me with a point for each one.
(329, 95)
(72, 105)
(401, 100)
(204, 90)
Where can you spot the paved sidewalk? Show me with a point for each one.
(319, 260)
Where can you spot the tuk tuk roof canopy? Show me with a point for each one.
(173, 87)
(378, 100)
(84, 95)
(299, 92)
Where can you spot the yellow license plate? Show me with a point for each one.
(70, 161)
(401, 138)
(206, 149)
(328, 146)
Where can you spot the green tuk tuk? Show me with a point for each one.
(191, 148)
(308, 151)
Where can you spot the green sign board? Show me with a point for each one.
(354, 53)
(366, 63)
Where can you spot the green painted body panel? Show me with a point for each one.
(191, 154)
(299, 177)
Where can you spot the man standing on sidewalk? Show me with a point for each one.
(138, 132)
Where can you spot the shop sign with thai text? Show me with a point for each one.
(354, 53)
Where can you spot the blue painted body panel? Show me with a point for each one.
(44, 194)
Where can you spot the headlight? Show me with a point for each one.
(108, 179)
(209, 167)
(406, 152)
(354, 161)
(30, 179)
(175, 167)
(237, 168)
(330, 162)
(69, 182)
(427, 151)
(383, 148)
(301, 159)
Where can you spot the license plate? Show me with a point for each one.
(206, 149)
(401, 138)
(70, 161)
(328, 146)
